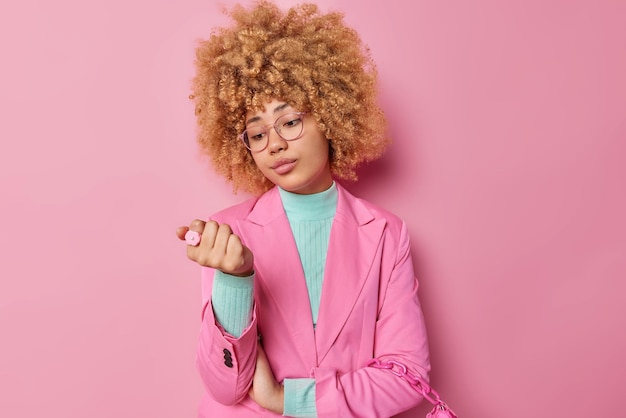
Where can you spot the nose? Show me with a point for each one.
(275, 142)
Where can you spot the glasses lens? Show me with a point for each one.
(255, 138)
(289, 126)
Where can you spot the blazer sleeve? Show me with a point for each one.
(400, 335)
(226, 364)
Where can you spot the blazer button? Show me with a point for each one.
(228, 359)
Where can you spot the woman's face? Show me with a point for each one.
(298, 166)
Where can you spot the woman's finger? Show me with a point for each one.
(181, 231)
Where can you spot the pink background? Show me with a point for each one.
(508, 166)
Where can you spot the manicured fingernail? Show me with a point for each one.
(192, 238)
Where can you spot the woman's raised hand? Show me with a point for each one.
(219, 248)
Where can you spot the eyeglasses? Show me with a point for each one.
(289, 127)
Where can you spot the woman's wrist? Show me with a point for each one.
(278, 405)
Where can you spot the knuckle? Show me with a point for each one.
(234, 243)
(205, 262)
(211, 226)
(230, 265)
(225, 228)
(196, 224)
(192, 255)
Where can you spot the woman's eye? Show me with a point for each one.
(257, 137)
(291, 123)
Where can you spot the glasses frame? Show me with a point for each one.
(267, 127)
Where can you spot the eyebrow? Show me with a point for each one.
(276, 110)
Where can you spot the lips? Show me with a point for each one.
(284, 165)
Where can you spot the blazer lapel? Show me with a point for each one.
(354, 240)
(267, 233)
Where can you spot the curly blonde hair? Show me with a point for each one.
(311, 61)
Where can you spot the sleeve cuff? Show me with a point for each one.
(232, 299)
(299, 398)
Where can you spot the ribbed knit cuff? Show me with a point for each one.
(299, 398)
(232, 299)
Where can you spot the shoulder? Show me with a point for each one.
(373, 210)
(380, 212)
(395, 237)
(394, 232)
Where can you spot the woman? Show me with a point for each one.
(305, 287)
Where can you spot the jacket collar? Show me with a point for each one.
(269, 207)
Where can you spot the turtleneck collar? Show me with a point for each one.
(310, 207)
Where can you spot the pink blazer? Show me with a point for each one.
(369, 309)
